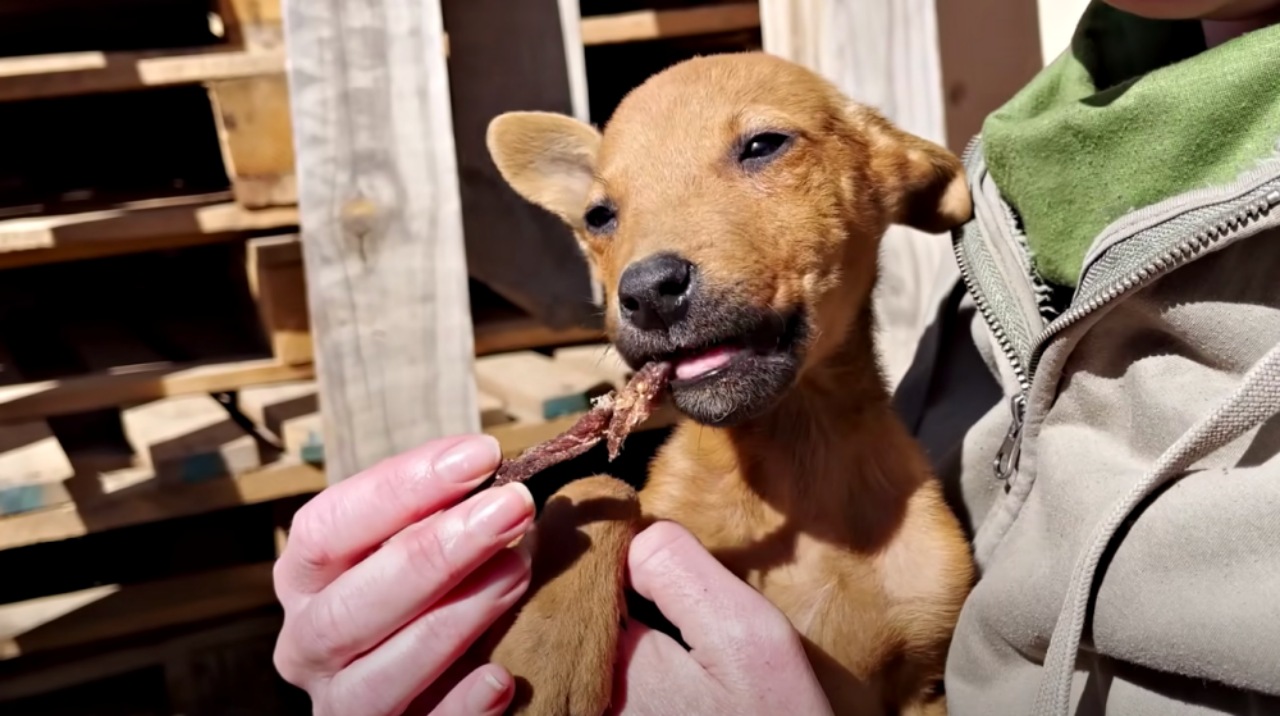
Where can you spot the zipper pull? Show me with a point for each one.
(1007, 458)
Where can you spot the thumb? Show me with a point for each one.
(730, 627)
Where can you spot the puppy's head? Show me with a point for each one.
(732, 210)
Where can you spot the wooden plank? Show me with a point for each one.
(207, 214)
(252, 116)
(382, 225)
(518, 334)
(647, 25)
(284, 478)
(883, 53)
(278, 281)
(253, 24)
(98, 614)
(20, 679)
(33, 465)
(515, 56)
(29, 401)
(535, 387)
(80, 73)
(174, 441)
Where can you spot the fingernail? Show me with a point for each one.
(504, 511)
(490, 692)
(494, 682)
(469, 460)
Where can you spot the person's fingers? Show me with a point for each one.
(407, 575)
(346, 521)
(487, 691)
(387, 679)
(723, 619)
(643, 679)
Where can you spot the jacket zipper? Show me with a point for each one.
(1007, 455)
(1006, 460)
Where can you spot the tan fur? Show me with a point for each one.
(824, 503)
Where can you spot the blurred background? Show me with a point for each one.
(239, 263)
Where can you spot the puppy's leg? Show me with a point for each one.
(560, 642)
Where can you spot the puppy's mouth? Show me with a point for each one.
(730, 364)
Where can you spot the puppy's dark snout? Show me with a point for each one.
(653, 293)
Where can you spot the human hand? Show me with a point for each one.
(744, 658)
(386, 582)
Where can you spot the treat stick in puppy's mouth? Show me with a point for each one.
(612, 417)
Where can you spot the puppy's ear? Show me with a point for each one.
(923, 184)
(547, 158)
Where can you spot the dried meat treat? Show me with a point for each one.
(636, 402)
(579, 438)
(612, 416)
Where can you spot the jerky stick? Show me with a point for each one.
(579, 438)
(636, 403)
(614, 416)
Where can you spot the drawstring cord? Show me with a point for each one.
(1254, 402)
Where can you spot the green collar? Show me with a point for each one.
(1137, 111)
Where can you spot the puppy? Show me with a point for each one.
(732, 209)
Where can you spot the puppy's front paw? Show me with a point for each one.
(561, 643)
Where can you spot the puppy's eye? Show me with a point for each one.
(761, 147)
(601, 219)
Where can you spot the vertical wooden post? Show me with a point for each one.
(883, 53)
(381, 224)
(503, 56)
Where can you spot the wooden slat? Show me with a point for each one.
(517, 334)
(206, 215)
(138, 384)
(158, 649)
(80, 73)
(278, 281)
(163, 443)
(516, 56)
(646, 25)
(98, 614)
(883, 53)
(33, 465)
(535, 387)
(382, 224)
(252, 116)
(285, 478)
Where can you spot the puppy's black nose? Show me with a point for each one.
(654, 292)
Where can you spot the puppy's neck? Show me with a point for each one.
(833, 445)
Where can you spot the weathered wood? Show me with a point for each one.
(279, 480)
(883, 53)
(252, 116)
(516, 56)
(382, 225)
(79, 73)
(253, 24)
(278, 281)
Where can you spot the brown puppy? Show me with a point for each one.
(732, 209)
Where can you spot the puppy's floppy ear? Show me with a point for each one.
(924, 185)
(547, 158)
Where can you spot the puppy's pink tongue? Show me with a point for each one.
(704, 363)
